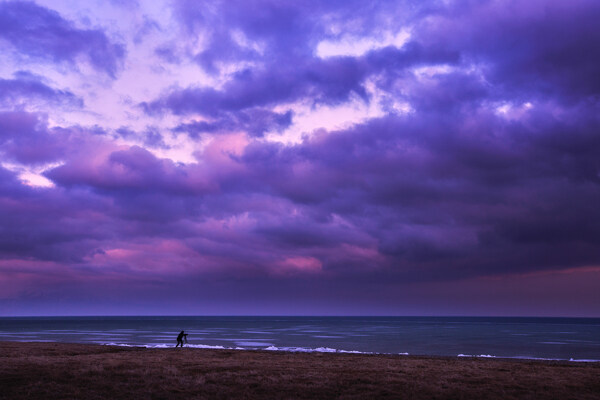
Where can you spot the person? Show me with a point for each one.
(182, 335)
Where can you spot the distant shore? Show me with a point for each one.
(67, 371)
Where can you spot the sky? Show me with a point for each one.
(265, 157)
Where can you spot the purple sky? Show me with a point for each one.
(307, 157)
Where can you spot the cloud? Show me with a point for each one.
(39, 33)
(132, 169)
(452, 196)
(286, 31)
(542, 49)
(151, 136)
(38, 224)
(274, 58)
(490, 170)
(26, 87)
(329, 82)
(254, 121)
(24, 137)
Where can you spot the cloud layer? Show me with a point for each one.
(440, 147)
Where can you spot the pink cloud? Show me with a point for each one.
(156, 257)
(297, 265)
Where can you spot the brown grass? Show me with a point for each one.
(77, 371)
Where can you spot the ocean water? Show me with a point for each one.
(575, 339)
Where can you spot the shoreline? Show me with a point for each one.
(71, 370)
(314, 350)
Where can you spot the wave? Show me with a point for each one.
(477, 356)
(332, 350)
(269, 348)
(315, 350)
(528, 358)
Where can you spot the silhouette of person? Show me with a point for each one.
(182, 335)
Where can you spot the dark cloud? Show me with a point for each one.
(325, 82)
(43, 224)
(38, 32)
(444, 199)
(26, 86)
(255, 122)
(287, 32)
(543, 49)
(419, 199)
(127, 171)
(492, 172)
(24, 137)
(151, 136)
(279, 42)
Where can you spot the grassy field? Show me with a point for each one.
(77, 371)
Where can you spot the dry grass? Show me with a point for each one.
(76, 371)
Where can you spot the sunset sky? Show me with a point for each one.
(300, 157)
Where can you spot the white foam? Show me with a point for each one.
(195, 346)
(166, 346)
(537, 358)
(314, 350)
(530, 358)
(332, 350)
(478, 356)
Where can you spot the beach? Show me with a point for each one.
(68, 371)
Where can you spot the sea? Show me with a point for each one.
(571, 339)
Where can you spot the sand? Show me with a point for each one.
(78, 371)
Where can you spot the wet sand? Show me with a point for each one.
(78, 371)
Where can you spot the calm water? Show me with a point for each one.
(549, 338)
